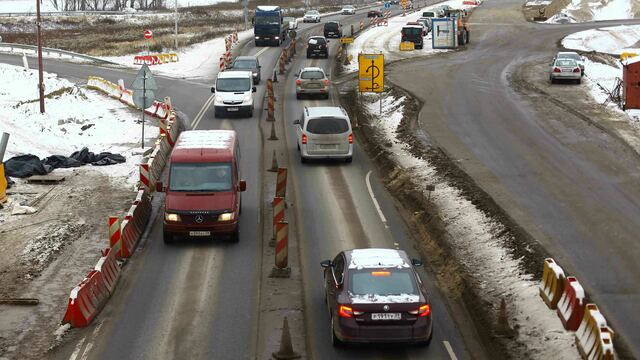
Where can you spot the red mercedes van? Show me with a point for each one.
(203, 191)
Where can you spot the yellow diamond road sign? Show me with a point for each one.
(371, 72)
(346, 40)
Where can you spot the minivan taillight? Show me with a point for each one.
(298, 82)
(423, 310)
(304, 138)
(350, 138)
(326, 82)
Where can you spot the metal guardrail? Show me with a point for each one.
(21, 48)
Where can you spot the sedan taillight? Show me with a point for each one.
(557, 70)
(576, 70)
(347, 312)
(423, 310)
(304, 138)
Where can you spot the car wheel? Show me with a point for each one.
(553, 81)
(298, 96)
(298, 144)
(235, 236)
(167, 237)
(334, 339)
(303, 159)
(251, 113)
(348, 160)
(468, 36)
(579, 81)
(216, 113)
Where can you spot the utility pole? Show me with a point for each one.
(40, 71)
(245, 13)
(175, 38)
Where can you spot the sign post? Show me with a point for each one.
(148, 34)
(143, 91)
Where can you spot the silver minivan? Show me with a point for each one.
(324, 132)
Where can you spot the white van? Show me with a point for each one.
(233, 93)
(324, 132)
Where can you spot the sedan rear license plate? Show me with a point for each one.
(199, 233)
(386, 316)
(232, 109)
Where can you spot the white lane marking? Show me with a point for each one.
(261, 51)
(87, 350)
(202, 111)
(375, 201)
(76, 351)
(447, 346)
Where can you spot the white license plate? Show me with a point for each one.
(328, 147)
(199, 233)
(232, 109)
(386, 316)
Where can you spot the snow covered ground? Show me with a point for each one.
(74, 119)
(476, 238)
(386, 39)
(594, 10)
(7, 6)
(611, 40)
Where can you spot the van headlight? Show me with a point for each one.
(247, 99)
(218, 101)
(226, 216)
(277, 37)
(171, 217)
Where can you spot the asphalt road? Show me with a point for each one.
(571, 186)
(198, 299)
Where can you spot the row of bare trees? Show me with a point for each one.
(106, 5)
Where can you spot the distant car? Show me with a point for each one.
(413, 33)
(247, 63)
(348, 10)
(293, 23)
(572, 55)
(425, 29)
(312, 81)
(376, 296)
(426, 22)
(565, 69)
(311, 16)
(445, 10)
(324, 133)
(317, 46)
(332, 29)
(374, 13)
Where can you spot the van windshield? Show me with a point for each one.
(428, 14)
(200, 177)
(233, 84)
(327, 126)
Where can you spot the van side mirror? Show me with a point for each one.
(159, 187)
(254, 89)
(296, 122)
(242, 185)
(213, 89)
(326, 264)
(416, 262)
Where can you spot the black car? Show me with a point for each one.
(332, 29)
(317, 46)
(376, 295)
(374, 13)
(248, 63)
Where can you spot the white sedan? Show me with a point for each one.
(348, 10)
(311, 16)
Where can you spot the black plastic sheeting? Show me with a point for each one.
(27, 165)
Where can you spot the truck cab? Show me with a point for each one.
(203, 190)
(269, 27)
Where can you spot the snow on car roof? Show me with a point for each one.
(374, 299)
(267, 8)
(205, 139)
(376, 258)
(234, 74)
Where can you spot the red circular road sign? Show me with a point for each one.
(148, 34)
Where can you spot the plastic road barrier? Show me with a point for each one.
(594, 339)
(552, 284)
(572, 303)
(134, 223)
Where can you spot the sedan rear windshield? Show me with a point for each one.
(312, 13)
(200, 177)
(312, 75)
(382, 282)
(317, 41)
(566, 62)
(233, 85)
(244, 64)
(569, 56)
(325, 126)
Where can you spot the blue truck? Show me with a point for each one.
(269, 27)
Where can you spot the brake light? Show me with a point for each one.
(298, 82)
(380, 273)
(557, 70)
(423, 310)
(304, 138)
(576, 69)
(345, 311)
(326, 82)
(350, 138)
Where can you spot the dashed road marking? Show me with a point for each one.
(76, 351)
(375, 201)
(261, 51)
(447, 346)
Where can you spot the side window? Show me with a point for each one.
(338, 268)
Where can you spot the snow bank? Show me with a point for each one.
(611, 40)
(598, 10)
(7, 6)
(75, 118)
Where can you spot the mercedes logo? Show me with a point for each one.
(386, 308)
(199, 219)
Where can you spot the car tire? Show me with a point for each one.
(334, 339)
(428, 341)
(235, 236)
(303, 159)
(251, 113)
(553, 81)
(216, 113)
(468, 36)
(349, 160)
(298, 96)
(298, 144)
(167, 237)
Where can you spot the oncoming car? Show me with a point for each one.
(376, 295)
(233, 93)
(311, 16)
(348, 10)
(312, 81)
(324, 133)
(565, 69)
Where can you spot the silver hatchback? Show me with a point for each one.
(565, 69)
(312, 81)
(324, 133)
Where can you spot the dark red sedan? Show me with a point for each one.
(376, 295)
(374, 13)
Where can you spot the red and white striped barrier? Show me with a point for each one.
(278, 213)
(281, 183)
(227, 58)
(221, 64)
(145, 177)
(361, 25)
(572, 304)
(134, 223)
(114, 233)
(109, 269)
(282, 245)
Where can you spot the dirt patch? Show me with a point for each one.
(45, 254)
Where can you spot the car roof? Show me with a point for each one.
(412, 26)
(204, 145)
(234, 74)
(377, 258)
(325, 111)
(568, 53)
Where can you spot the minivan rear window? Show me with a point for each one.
(327, 126)
(200, 177)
